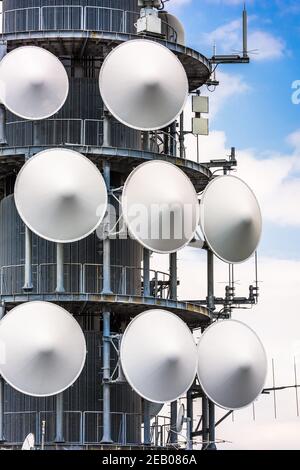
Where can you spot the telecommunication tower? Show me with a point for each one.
(92, 98)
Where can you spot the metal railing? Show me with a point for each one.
(76, 131)
(82, 428)
(57, 131)
(75, 17)
(84, 278)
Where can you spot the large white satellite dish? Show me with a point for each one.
(143, 85)
(45, 349)
(33, 83)
(61, 195)
(160, 207)
(29, 442)
(231, 219)
(232, 364)
(159, 356)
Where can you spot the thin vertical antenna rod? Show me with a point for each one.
(274, 387)
(296, 385)
(245, 32)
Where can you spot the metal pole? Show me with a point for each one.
(147, 424)
(3, 140)
(173, 435)
(43, 435)
(2, 438)
(106, 242)
(211, 307)
(189, 443)
(106, 128)
(59, 439)
(190, 413)
(146, 273)
(212, 427)
(205, 422)
(60, 289)
(181, 135)
(106, 438)
(173, 276)
(28, 286)
(173, 296)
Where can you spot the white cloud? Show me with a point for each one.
(228, 38)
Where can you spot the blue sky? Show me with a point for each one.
(262, 117)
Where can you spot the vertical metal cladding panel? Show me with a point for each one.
(80, 121)
(31, 15)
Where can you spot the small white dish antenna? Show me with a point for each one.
(175, 26)
(231, 219)
(45, 349)
(160, 207)
(180, 419)
(159, 356)
(61, 195)
(143, 85)
(29, 442)
(232, 364)
(33, 83)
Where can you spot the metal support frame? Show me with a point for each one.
(146, 273)
(59, 438)
(211, 307)
(60, 288)
(28, 286)
(106, 437)
(106, 242)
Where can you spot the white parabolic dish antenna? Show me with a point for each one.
(44, 349)
(232, 364)
(231, 219)
(33, 83)
(29, 442)
(61, 195)
(175, 26)
(180, 418)
(160, 207)
(159, 356)
(143, 85)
